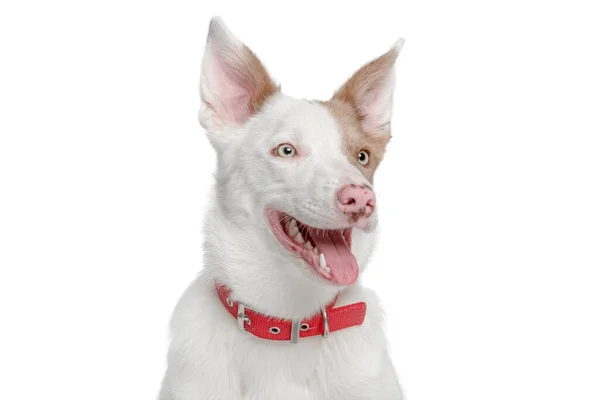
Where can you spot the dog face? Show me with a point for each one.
(294, 173)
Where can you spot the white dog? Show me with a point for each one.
(278, 312)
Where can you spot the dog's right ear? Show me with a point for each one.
(234, 84)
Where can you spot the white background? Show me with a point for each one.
(489, 259)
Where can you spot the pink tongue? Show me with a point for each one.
(341, 261)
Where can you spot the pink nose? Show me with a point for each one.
(356, 201)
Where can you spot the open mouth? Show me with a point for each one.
(327, 251)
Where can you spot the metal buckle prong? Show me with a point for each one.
(241, 316)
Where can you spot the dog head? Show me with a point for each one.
(296, 176)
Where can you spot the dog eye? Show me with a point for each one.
(285, 150)
(363, 157)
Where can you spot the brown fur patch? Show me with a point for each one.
(361, 86)
(261, 85)
(349, 106)
(354, 139)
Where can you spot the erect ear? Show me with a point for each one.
(234, 84)
(370, 92)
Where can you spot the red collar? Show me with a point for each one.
(330, 319)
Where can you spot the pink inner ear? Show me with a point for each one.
(235, 93)
(372, 110)
(365, 110)
(370, 91)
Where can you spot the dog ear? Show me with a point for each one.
(234, 84)
(370, 92)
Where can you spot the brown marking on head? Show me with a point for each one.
(354, 139)
(362, 88)
(362, 109)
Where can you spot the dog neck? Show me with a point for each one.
(259, 272)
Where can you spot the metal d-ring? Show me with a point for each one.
(295, 335)
(325, 323)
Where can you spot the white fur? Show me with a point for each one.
(209, 357)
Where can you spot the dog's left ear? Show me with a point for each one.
(234, 83)
(370, 92)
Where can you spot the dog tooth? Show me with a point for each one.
(299, 238)
(316, 251)
(308, 245)
(322, 261)
(293, 228)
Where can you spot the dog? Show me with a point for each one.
(278, 311)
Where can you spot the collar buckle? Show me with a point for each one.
(266, 327)
(242, 316)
